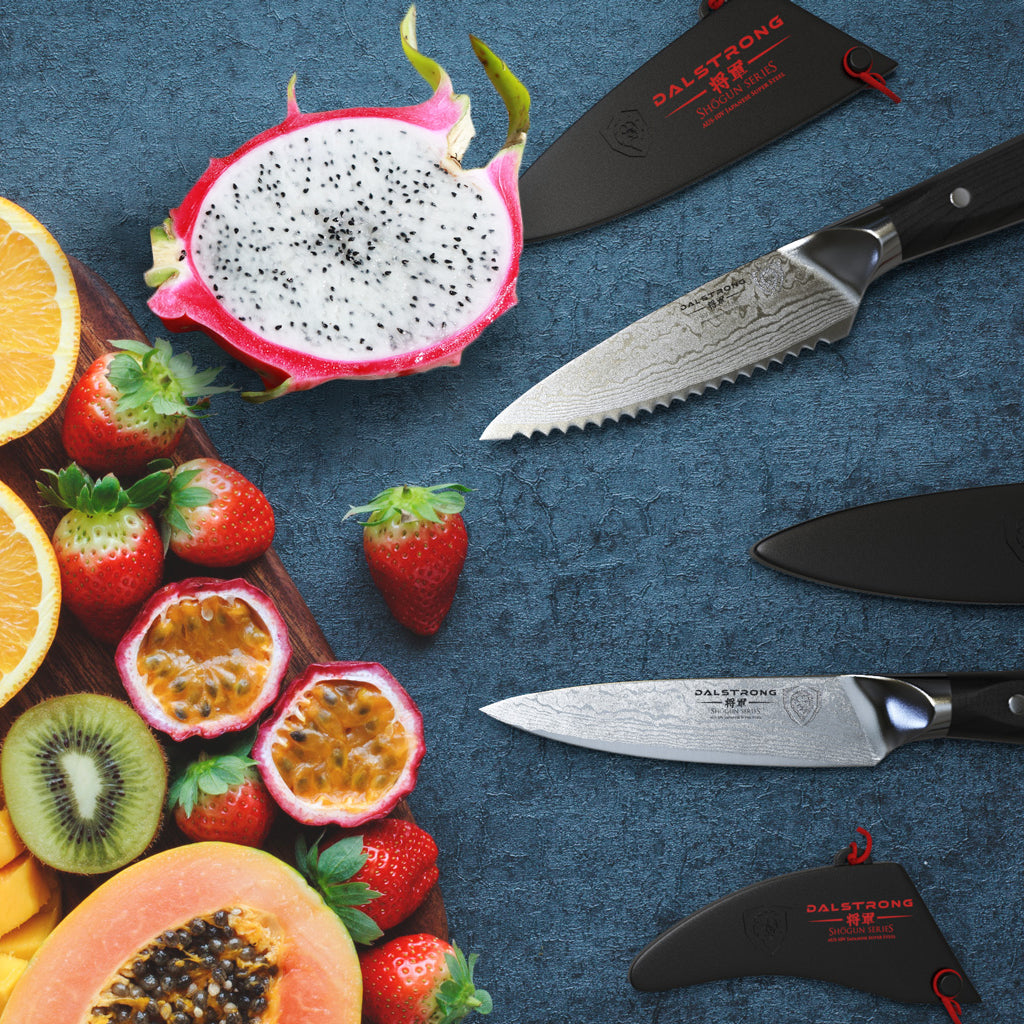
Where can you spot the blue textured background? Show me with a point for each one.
(621, 552)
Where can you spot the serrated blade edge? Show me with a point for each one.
(758, 315)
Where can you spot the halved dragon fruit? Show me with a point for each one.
(350, 243)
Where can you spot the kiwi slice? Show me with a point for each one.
(84, 780)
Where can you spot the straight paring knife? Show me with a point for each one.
(780, 304)
(807, 721)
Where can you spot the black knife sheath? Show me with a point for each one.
(959, 546)
(864, 926)
(750, 72)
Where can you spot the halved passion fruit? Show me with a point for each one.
(204, 657)
(343, 746)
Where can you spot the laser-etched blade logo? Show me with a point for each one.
(802, 703)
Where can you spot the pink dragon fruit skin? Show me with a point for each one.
(190, 295)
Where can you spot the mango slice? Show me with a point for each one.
(25, 887)
(24, 940)
(10, 843)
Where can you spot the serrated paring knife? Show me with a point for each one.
(838, 721)
(780, 304)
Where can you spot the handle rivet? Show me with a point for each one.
(960, 197)
(1017, 704)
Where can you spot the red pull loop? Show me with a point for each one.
(942, 980)
(854, 66)
(855, 856)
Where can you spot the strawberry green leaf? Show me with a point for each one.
(340, 861)
(425, 504)
(242, 747)
(155, 378)
(73, 488)
(140, 348)
(330, 873)
(361, 926)
(148, 490)
(61, 491)
(182, 496)
(458, 995)
(208, 776)
(108, 495)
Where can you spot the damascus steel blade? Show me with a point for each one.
(813, 721)
(783, 303)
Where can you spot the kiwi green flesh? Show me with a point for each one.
(84, 780)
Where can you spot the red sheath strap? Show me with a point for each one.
(948, 978)
(853, 66)
(854, 856)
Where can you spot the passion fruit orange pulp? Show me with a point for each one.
(204, 657)
(193, 934)
(343, 746)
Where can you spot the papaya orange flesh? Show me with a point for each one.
(203, 932)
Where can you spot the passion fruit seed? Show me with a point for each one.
(217, 969)
(219, 668)
(342, 743)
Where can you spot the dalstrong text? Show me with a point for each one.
(735, 693)
(859, 906)
(718, 62)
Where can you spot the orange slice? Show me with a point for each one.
(29, 594)
(40, 322)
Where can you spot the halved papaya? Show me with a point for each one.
(202, 932)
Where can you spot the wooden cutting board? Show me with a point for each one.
(76, 662)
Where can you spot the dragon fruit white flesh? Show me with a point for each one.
(350, 243)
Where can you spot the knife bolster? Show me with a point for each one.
(855, 251)
(903, 710)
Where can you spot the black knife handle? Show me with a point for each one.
(984, 705)
(982, 194)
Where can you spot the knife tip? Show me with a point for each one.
(500, 430)
(494, 432)
(490, 711)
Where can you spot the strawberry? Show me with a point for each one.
(401, 863)
(222, 798)
(420, 979)
(130, 407)
(415, 544)
(394, 858)
(215, 516)
(108, 547)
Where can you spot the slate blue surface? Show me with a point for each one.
(620, 552)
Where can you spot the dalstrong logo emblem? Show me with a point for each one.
(1013, 532)
(627, 133)
(802, 703)
(766, 927)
